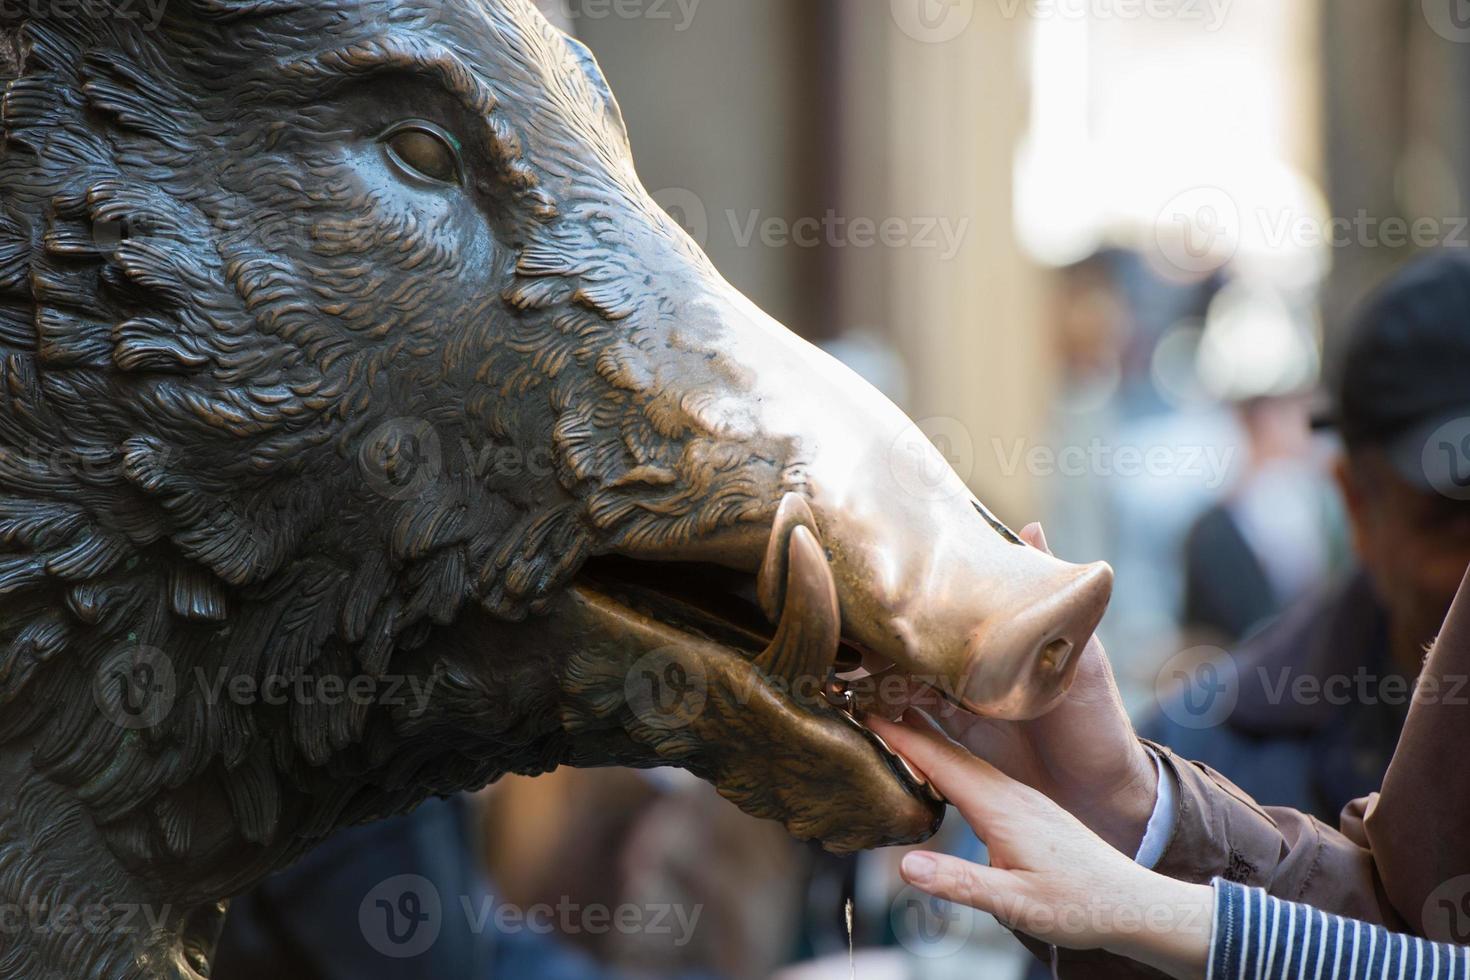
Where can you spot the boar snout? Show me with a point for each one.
(926, 577)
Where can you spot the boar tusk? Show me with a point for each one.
(770, 583)
(810, 627)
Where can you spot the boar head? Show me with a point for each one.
(368, 432)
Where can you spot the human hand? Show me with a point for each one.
(1049, 877)
(1084, 754)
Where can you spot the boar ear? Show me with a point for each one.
(588, 63)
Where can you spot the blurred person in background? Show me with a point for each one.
(725, 888)
(1092, 324)
(1277, 533)
(1124, 336)
(575, 875)
(1322, 693)
(1272, 539)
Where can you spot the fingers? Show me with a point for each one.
(987, 889)
(1035, 536)
(974, 786)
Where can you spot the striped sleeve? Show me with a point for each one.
(1258, 937)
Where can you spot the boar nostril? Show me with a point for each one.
(1022, 661)
(1056, 655)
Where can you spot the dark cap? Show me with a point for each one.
(1404, 383)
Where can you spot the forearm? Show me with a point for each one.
(1220, 832)
(1217, 831)
(1227, 930)
(1177, 922)
(1262, 937)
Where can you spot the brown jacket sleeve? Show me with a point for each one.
(1220, 832)
(1223, 833)
(1401, 858)
(1419, 826)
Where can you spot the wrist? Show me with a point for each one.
(1123, 819)
(1177, 922)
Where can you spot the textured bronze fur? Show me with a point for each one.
(221, 345)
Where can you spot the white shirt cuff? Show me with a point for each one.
(1161, 824)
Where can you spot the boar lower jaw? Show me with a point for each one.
(679, 659)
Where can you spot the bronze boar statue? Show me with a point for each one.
(345, 354)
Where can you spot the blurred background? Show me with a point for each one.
(1098, 247)
(1104, 250)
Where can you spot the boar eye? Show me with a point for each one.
(425, 151)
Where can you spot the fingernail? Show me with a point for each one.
(919, 868)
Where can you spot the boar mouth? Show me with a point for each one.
(769, 645)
